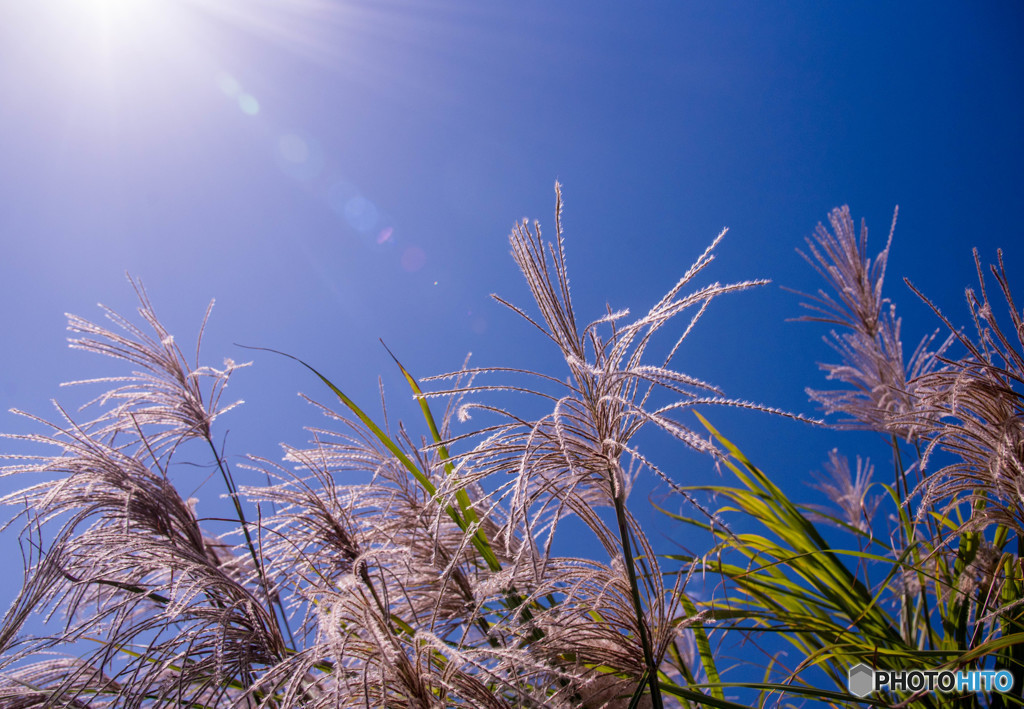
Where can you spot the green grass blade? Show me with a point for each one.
(707, 657)
(461, 496)
(481, 545)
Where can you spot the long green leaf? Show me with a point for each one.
(462, 497)
(484, 548)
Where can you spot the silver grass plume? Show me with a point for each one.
(975, 408)
(127, 562)
(882, 390)
(166, 392)
(848, 490)
(579, 458)
(394, 601)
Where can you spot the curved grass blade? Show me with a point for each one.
(461, 496)
(479, 542)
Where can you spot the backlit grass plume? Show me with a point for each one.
(881, 380)
(580, 457)
(975, 407)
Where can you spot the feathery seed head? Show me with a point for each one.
(882, 394)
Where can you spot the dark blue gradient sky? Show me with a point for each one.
(335, 172)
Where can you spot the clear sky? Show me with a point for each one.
(338, 171)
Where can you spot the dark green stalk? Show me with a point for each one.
(910, 538)
(627, 552)
(229, 482)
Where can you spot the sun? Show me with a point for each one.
(122, 15)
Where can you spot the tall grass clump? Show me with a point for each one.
(937, 581)
(441, 582)
(435, 584)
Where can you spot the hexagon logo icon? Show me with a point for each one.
(862, 680)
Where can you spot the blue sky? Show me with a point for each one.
(335, 172)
